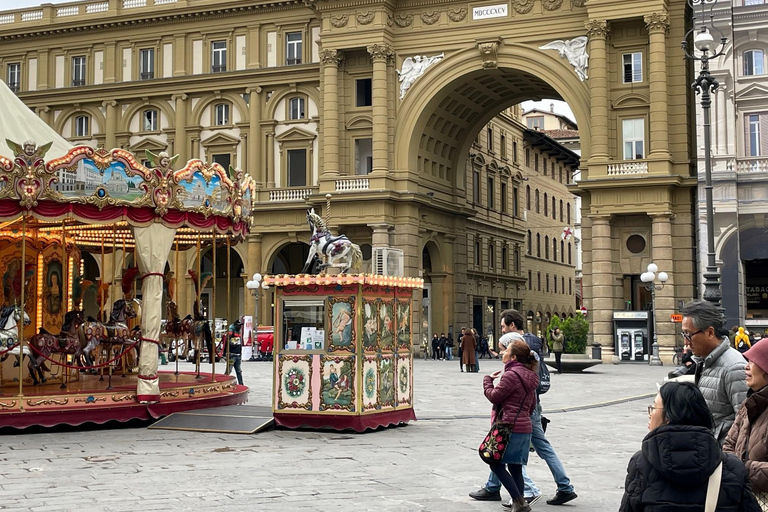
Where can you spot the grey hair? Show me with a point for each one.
(704, 315)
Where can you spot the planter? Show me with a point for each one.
(572, 363)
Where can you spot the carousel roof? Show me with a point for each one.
(19, 124)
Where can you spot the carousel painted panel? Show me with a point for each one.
(404, 380)
(387, 341)
(404, 319)
(370, 319)
(341, 324)
(337, 391)
(89, 178)
(387, 391)
(370, 379)
(294, 389)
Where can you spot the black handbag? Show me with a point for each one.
(492, 448)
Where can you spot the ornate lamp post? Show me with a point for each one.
(254, 284)
(649, 278)
(705, 49)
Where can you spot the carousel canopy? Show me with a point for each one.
(19, 124)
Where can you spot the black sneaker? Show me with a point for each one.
(562, 497)
(533, 499)
(485, 495)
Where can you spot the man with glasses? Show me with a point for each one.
(720, 371)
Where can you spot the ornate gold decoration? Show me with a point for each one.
(403, 20)
(91, 399)
(365, 17)
(330, 56)
(8, 405)
(430, 17)
(380, 51)
(457, 14)
(123, 398)
(523, 6)
(597, 28)
(48, 401)
(658, 21)
(340, 21)
(489, 52)
(295, 405)
(29, 177)
(552, 5)
(210, 389)
(167, 394)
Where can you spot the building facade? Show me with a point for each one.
(379, 105)
(739, 163)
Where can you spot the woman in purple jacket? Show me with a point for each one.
(514, 397)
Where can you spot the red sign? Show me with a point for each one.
(677, 319)
(584, 311)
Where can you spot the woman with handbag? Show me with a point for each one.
(747, 437)
(505, 448)
(681, 466)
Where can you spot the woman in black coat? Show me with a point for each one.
(680, 452)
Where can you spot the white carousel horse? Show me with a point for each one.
(333, 251)
(9, 333)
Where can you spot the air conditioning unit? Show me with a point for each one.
(388, 261)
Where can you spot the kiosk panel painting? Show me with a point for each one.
(338, 388)
(404, 324)
(294, 390)
(387, 381)
(341, 334)
(370, 325)
(386, 325)
(404, 380)
(370, 383)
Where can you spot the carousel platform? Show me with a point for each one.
(88, 400)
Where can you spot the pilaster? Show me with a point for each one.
(598, 31)
(110, 141)
(380, 56)
(180, 136)
(662, 255)
(254, 149)
(658, 27)
(330, 60)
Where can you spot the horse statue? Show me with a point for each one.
(44, 344)
(333, 251)
(178, 330)
(9, 333)
(201, 333)
(115, 331)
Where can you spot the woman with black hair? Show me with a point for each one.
(671, 472)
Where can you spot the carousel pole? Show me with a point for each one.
(101, 302)
(229, 306)
(122, 269)
(176, 273)
(199, 306)
(110, 349)
(65, 285)
(20, 325)
(213, 309)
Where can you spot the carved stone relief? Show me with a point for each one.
(340, 20)
(597, 28)
(578, 3)
(403, 20)
(457, 14)
(413, 68)
(489, 52)
(430, 17)
(365, 17)
(575, 50)
(657, 21)
(523, 6)
(552, 5)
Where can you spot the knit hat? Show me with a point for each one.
(758, 354)
(508, 338)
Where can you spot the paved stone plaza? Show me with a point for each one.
(429, 465)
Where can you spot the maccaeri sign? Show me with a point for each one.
(490, 11)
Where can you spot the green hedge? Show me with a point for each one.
(575, 330)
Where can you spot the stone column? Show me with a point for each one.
(180, 136)
(658, 26)
(254, 145)
(110, 63)
(380, 55)
(44, 113)
(722, 121)
(380, 237)
(179, 56)
(602, 298)
(270, 149)
(254, 47)
(43, 71)
(597, 31)
(662, 256)
(111, 120)
(330, 120)
(253, 265)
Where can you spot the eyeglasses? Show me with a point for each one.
(652, 408)
(689, 335)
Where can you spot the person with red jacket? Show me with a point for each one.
(514, 397)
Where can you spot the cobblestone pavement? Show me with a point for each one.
(428, 465)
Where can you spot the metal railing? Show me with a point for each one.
(219, 69)
(147, 75)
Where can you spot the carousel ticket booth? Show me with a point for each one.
(343, 350)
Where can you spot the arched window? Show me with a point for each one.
(490, 140)
(538, 245)
(562, 284)
(546, 247)
(530, 242)
(546, 205)
(554, 209)
(149, 120)
(561, 210)
(528, 197)
(537, 201)
(562, 251)
(491, 255)
(221, 114)
(754, 63)
(570, 256)
(569, 214)
(547, 285)
(554, 249)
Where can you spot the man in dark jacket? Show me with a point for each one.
(441, 344)
(235, 351)
(435, 347)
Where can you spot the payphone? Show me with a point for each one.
(625, 345)
(639, 345)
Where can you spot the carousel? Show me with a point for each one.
(64, 364)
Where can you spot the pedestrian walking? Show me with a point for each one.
(557, 340)
(460, 353)
(746, 438)
(477, 348)
(514, 398)
(719, 367)
(469, 355)
(435, 347)
(449, 347)
(235, 351)
(674, 470)
(441, 346)
(425, 347)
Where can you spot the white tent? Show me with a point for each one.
(18, 124)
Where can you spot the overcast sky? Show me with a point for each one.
(18, 4)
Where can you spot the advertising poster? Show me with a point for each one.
(248, 331)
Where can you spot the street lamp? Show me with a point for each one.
(649, 279)
(254, 284)
(705, 84)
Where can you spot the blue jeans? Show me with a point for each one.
(545, 451)
(449, 353)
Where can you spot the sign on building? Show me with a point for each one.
(490, 11)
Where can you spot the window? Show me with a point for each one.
(561, 210)
(491, 193)
(218, 56)
(504, 258)
(754, 63)
(633, 67)
(223, 159)
(292, 48)
(754, 135)
(547, 283)
(634, 139)
(82, 128)
(554, 249)
(514, 151)
(503, 146)
(538, 279)
(297, 167)
(527, 157)
(363, 156)
(536, 162)
(476, 187)
(364, 89)
(535, 123)
(477, 253)
(530, 242)
(554, 210)
(546, 205)
(546, 247)
(491, 256)
(552, 167)
(538, 209)
(14, 76)
(78, 71)
(489, 141)
(568, 218)
(754, 2)
(570, 286)
(147, 64)
(530, 280)
(569, 253)
(561, 174)
(149, 120)
(554, 283)
(562, 284)
(221, 114)
(527, 197)
(562, 251)
(538, 245)
(504, 197)
(296, 109)
(515, 207)
(517, 260)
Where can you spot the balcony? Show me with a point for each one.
(288, 195)
(49, 13)
(753, 165)
(627, 168)
(352, 185)
(293, 62)
(147, 75)
(78, 83)
(219, 69)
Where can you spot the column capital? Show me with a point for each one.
(109, 103)
(253, 90)
(657, 22)
(661, 216)
(42, 110)
(600, 218)
(380, 52)
(329, 56)
(176, 97)
(597, 28)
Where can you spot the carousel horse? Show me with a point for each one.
(201, 333)
(334, 251)
(9, 333)
(45, 344)
(115, 331)
(177, 330)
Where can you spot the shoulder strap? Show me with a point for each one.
(713, 489)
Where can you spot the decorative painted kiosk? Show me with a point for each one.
(343, 350)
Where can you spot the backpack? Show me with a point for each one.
(535, 343)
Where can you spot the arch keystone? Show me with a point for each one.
(489, 51)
